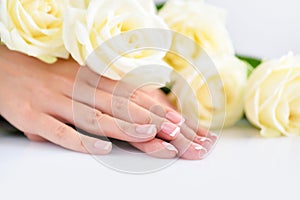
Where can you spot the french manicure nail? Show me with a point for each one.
(170, 129)
(148, 129)
(181, 122)
(102, 145)
(199, 148)
(174, 117)
(213, 136)
(205, 142)
(201, 151)
(202, 139)
(170, 147)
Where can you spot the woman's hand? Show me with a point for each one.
(39, 99)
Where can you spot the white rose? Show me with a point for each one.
(215, 96)
(102, 35)
(273, 99)
(33, 28)
(202, 23)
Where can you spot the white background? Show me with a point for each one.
(262, 28)
(243, 165)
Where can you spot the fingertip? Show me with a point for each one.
(145, 133)
(157, 148)
(189, 150)
(169, 131)
(101, 147)
(207, 143)
(35, 138)
(172, 151)
(213, 136)
(200, 151)
(95, 146)
(194, 153)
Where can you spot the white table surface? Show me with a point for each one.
(242, 166)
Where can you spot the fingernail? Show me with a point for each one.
(170, 129)
(202, 139)
(102, 145)
(170, 147)
(148, 129)
(174, 117)
(206, 142)
(213, 136)
(199, 148)
(181, 122)
(201, 151)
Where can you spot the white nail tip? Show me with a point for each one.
(204, 139)
(214, 135)
(170, 147)
(198, 148)
(152, 129)
(107, 146)
(102, 145)
(177, 130)
(146, 129)
(181, 122)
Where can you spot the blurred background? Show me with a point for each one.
(262, 28)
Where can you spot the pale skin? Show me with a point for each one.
(41, 100)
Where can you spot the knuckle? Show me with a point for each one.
(60, 132)
(119, 103)
(98, 118)
(125, 128)
(147, 119)
(135, 97)
(139, 95)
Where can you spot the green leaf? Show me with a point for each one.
(251, 62)
(254, 62)
(159, 6)
(168, 88)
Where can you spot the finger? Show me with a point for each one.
(128, 110)
(148, 102)
(127, 91)
(35, 138)
(200, 131)
(157, 148)
(190, 134)
(196, 133)
(188, 149)
(97, 123)
(64, 136)
(124, 109)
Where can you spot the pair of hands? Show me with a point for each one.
(41, 100)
